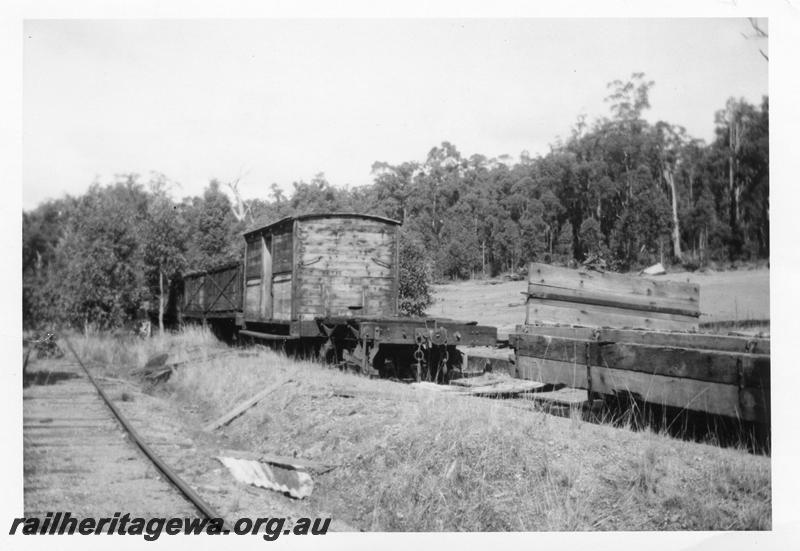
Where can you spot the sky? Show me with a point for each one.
(278, 101)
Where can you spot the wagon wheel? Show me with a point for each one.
(454, 364)
(419, 362)
(359, 359)
(387, 367)
(327, 352)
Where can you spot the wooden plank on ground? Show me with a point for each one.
(153, 369)
(508, 388)
(569, 397)
(158, 360)
(483, 380)
(435, 387)
(244, 406)
(397, 392)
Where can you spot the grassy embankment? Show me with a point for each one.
(419, 461)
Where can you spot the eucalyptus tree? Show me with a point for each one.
(164, 238)
(101, 266)
(742, 138)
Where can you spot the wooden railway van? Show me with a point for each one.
(319, 266)
(331, 280)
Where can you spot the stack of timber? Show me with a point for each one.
(600, 346)
(497, 385)
(589, 298)
(488, 385)
(721, 375)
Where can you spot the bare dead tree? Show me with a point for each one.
(670, 159)
(758, 33)
(240, 209)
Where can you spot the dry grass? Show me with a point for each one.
(416, 460)
(412, 460)
(119, 354)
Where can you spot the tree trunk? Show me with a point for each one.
(160, 302)
(733, 212)
(676, 229)
(703, 244)
(737, 195)
(731, 194)
(483, 258)
(735, 133)
(238, 207)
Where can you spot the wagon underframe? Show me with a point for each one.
(420, 348)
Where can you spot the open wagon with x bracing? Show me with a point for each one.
(330, 282)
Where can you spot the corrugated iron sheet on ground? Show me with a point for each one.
(294, 482)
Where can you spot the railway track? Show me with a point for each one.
(81, 455)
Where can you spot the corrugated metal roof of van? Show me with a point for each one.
(262, 227)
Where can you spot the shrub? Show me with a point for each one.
(415, 292)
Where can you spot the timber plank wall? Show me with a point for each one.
(589, 298)
(346, 264)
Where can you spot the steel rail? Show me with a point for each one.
(171, 475)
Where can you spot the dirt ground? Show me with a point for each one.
(85, 464)
(78, 458)
(724, 296)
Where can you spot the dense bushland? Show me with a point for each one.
(622, 188)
